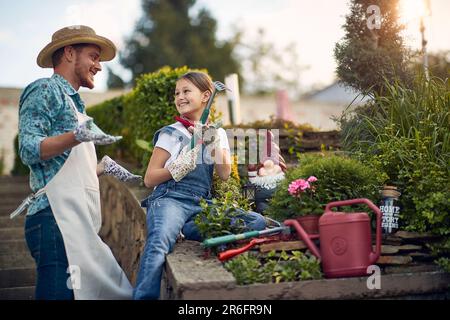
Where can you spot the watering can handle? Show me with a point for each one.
(373, 255)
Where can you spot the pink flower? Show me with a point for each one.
(293, 187)
(312, 179)
(297, 186)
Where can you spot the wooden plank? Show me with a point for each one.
(409, 248)
(411, 268)
(394, 260)
(387, 249)
(282, 245)
(415, 235)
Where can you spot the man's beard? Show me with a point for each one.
(83, 81)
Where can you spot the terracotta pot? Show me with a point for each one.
(310, 223)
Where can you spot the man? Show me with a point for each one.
(56, 141)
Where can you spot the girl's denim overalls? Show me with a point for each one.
(169, 207)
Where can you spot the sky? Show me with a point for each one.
(314, 26)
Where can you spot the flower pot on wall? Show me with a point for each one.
(310, 223)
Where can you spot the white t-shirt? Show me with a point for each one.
(172, 145)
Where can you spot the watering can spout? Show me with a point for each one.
(304, 236)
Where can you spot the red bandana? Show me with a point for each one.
(185, 122)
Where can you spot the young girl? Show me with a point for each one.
(181, 177)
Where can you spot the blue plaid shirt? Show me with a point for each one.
(44, 111)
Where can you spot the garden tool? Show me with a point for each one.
(218, 86)
(226, 255)
(212, 242)
(345, 240)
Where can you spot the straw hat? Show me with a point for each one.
(74, 35)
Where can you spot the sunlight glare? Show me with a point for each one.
(413, 9)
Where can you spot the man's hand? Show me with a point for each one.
(88, 131)
(111, 168)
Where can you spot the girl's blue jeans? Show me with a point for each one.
(168, 209)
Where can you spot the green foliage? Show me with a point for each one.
(220, 217)
(366, 56)
(19, 168)
(169, 34)
(228, 202)
(114, 81)
(444, 263)
(2, 163)
(111, 117)
(406, 134)
(339, 178)
(232, 185)
(248, 269)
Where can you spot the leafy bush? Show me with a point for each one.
(406, 134)
(220, 218)
(338, 178)
(139, 114)
(248, 269)
(216, 219)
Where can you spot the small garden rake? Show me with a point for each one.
(218, 87)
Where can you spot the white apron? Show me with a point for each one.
(74, 198)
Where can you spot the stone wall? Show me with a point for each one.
(123, 226)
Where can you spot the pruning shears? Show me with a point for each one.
(226, 255)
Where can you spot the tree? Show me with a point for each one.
(267, 68)
(114, 81)
(167, 35)
(372, 48)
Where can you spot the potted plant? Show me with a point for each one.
(304, 190)
(338, 178)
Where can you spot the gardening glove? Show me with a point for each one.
(88, 131)
(184, 163)
(111, 168)
(208, 133)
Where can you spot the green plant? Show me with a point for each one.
(2, 163)
(232, 185)
(19, 168)
(406, 134)
(339, 178)
(444, 263)
(248, 269)
(220, 217)
(111, 117)
(367, 54)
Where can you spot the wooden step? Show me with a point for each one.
(12, 234)
(18, 222)
(7, 209)
(18, 277)
(14, 179)
(16, 260)
(10, 246)
(18, 293)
